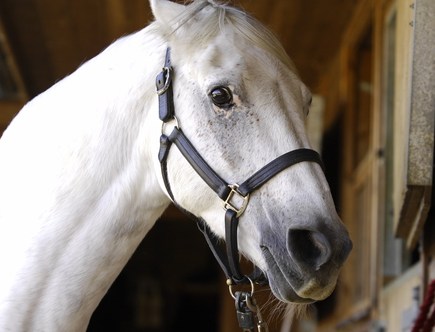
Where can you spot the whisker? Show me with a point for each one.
(276, 311)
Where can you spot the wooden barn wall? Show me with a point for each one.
(372, 94)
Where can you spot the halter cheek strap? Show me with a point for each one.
(235, 197)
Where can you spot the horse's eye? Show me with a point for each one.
(222, 96)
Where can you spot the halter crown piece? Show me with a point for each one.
(235, 197)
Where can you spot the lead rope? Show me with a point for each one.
(425, 321)
(248, 312)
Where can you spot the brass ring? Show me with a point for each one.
(230, 287)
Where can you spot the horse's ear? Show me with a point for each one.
(166, 11)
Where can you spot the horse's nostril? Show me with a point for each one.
(309, 249)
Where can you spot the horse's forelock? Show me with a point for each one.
(205, 19)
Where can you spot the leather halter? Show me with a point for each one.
(235, 197)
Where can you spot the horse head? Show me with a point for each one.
(240, 102)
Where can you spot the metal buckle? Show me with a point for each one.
(231, 205)
(168, 77)
(165, 124)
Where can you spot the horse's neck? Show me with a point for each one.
(78, 190)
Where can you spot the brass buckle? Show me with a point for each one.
(242, 201)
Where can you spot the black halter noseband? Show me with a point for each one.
(235, 197)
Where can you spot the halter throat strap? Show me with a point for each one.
(235, 197)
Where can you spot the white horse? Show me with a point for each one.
(81, 185)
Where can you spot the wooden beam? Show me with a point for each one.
(11, 64)
(8, 110)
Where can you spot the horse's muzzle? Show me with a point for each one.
(318, 256)
(310, 270)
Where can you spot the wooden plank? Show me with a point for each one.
(398, 304)
(413, 214)
(377, 213)
(402, 103)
